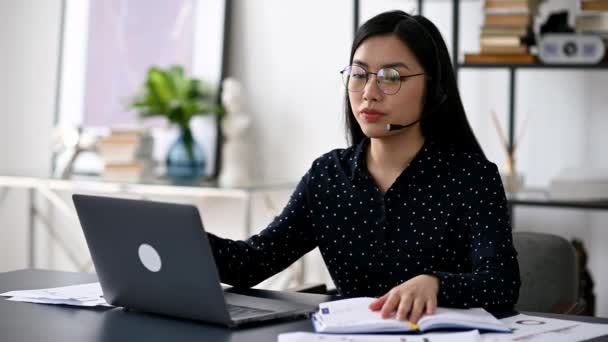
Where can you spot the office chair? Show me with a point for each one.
(549, 274)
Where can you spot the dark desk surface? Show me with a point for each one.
(50, 323)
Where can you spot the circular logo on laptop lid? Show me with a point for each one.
(149, 257)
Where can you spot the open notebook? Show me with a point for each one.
(354, 316)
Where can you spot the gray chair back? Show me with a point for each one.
(549, 271)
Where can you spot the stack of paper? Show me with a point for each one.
(78, 295)
(543, 329)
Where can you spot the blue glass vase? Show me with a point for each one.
(185, 159)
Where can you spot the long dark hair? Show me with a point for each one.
(443, 116)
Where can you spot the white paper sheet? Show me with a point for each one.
(99, 302)
(467, 336)
(77, 295)
(539, 329)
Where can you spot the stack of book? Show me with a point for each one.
(118, 152)
(594, 5)
(506, 24)
(593, 19)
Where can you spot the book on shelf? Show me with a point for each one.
(492, 58)
(502, 38)
(503, 50)
(354, 316)
(592, 23)
(491, 40)
(491, 4)
(518, 31)
(505, 11)
(594, 5)
(517, 20)
(118, 151)
(126, 132)
(123, 172)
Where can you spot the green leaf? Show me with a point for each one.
(169, 93)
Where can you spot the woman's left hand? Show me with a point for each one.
(414, 297)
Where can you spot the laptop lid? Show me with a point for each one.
(152, 256)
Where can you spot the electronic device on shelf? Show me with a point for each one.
(570, 48)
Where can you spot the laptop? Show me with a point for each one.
(155, 257)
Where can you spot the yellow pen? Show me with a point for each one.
(413, 326)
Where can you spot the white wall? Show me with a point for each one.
(29, 38)
(288, 54)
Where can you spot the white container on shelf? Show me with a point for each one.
(580, 184)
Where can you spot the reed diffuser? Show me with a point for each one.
(512, 180)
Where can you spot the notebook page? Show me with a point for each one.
(474, 318)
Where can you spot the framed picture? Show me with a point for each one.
(107, 46)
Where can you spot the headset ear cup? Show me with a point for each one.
(437, 96)
(435, 100)
(440, 96)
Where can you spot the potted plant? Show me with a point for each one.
(170, 94)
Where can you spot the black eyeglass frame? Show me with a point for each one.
(367, 73)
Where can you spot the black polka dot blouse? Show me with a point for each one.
(445, 215)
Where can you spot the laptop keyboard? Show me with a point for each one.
(237, 311)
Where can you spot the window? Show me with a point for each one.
(107, 48)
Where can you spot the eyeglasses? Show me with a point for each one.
(388, 79)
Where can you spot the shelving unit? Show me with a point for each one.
(513, 81)
(546, 202)
(533, 66)
(513, 199)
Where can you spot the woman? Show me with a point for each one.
(412, 211)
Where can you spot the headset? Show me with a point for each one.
(439, 96)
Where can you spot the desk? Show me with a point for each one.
(50, 323)
(38, 184)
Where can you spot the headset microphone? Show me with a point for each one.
(395, 127)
